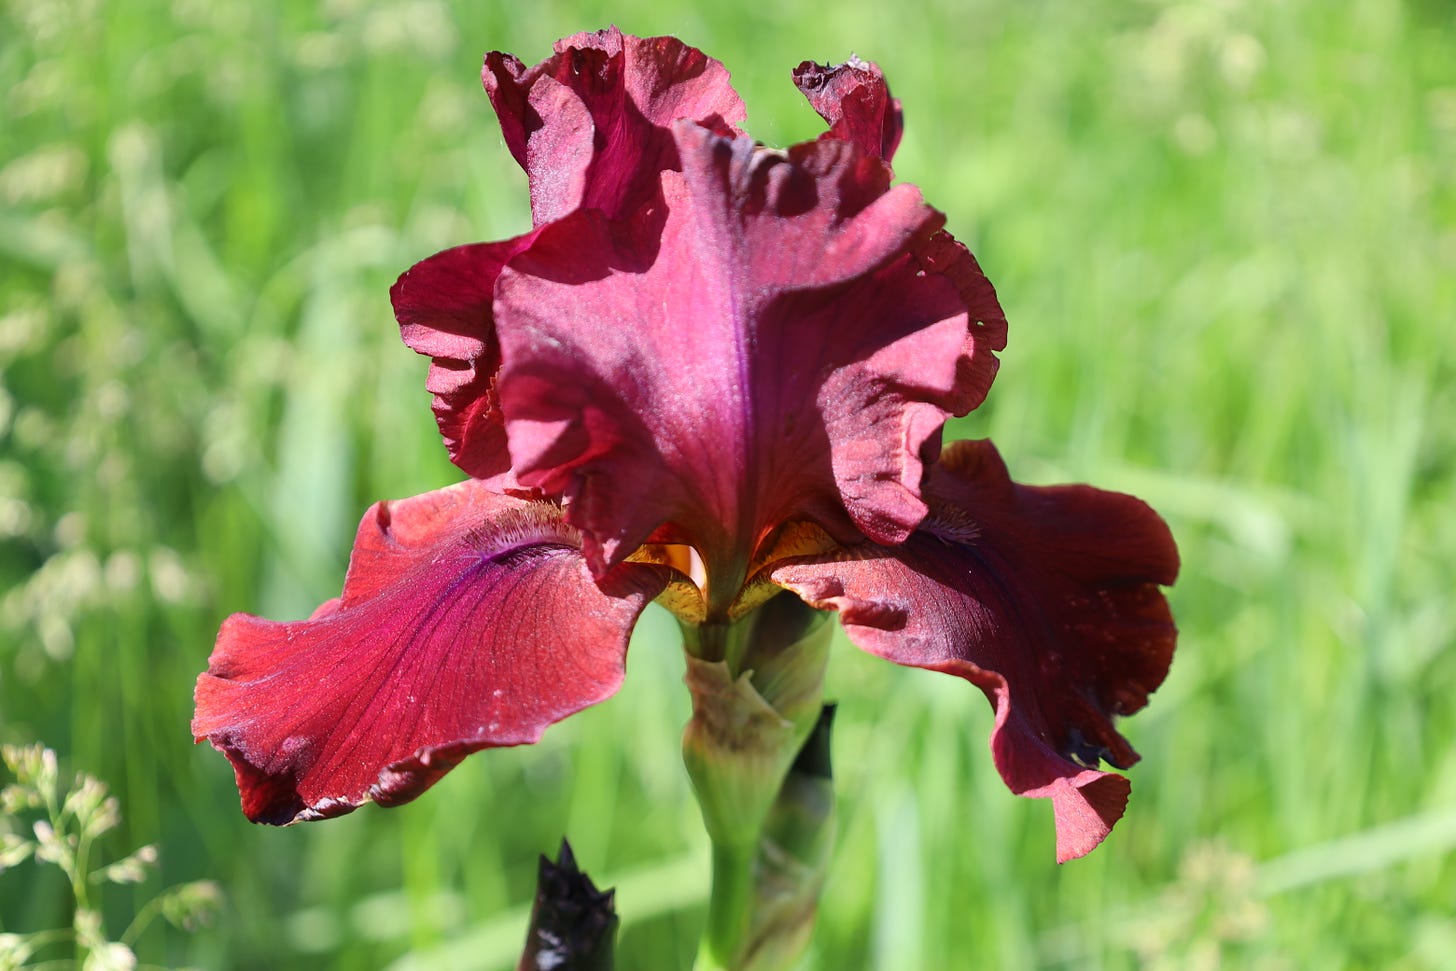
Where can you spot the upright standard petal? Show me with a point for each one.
(444, 308)
(590, 125)
(1046, 598)
(783, 341)
(854, 98)
(468, 620)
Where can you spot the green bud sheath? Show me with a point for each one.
(793, 858)
(757, 687)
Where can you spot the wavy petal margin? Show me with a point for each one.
(590, 124)
(855, 100)
(784, 341)
(444, 308)
(468, 620)
(1046, 598)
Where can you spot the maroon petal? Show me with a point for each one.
(854, 98)
(590, 125)
(443, 305)
(785, 340)
(1045, 598)
(468, 621)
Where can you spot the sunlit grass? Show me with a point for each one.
(1225, 235)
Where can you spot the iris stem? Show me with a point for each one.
(729, 905)
(767, 799)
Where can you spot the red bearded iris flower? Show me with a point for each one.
(712, 371)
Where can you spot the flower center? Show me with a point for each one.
(690, 595)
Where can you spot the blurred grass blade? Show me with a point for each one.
(1429, 836)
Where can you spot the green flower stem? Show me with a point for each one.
(757, 687)
(729, 906)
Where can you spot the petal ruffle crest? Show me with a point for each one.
(591, 127)
(784, 341)
(468, 620)
(855, 100)
(590, 124)
(443, 305)
(1046, 598)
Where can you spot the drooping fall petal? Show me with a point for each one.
(590, 124)
(468, 620)
(1046, 598)
(784, 340)
(854, 98)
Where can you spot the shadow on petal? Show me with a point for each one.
(1046, 598)
(468, 620)
(591, 124)
(855, 100)
(786, 346)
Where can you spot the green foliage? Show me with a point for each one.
(70, 821)
(1225, 235)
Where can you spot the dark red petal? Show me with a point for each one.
(591, 124)
(468, 621)
(854, 98)
(782, 341)
(1046, 598)
(443, 305)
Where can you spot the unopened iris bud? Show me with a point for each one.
(573, 924)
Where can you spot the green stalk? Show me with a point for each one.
(728, 907)
(757, 687)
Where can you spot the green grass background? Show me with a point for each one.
(1224, 232)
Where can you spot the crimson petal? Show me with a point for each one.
(1046, 598)
(468, 620)
(590, 124)
(854, 98)
(786, 339)
(443, 305)
(590, 127)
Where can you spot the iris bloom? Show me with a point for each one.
(710, 372)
